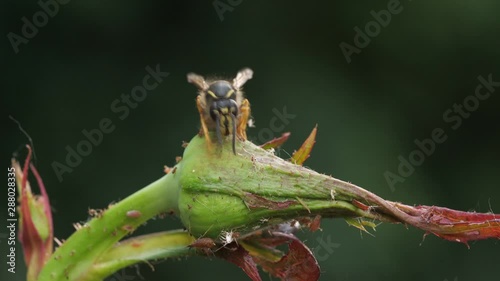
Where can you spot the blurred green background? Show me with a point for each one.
(369, 111)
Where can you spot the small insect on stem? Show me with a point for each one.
(315, 223)
(204, 244)
(134, 214)
(222, 107)
(360, 205)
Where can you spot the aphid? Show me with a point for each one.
(204, 244)
(134, 214)
(222, 107)
(166, 169)
(360, 205)
(315, 223)
(95, 213)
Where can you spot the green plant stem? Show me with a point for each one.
(141, 249)
(74, 259)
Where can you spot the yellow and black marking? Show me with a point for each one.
(225, 125)
(222, 107)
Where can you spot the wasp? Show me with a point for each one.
(222, 106)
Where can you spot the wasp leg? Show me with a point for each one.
(243, 120)
(203, 129)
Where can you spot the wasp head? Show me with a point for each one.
(221, 101)
(221, 98)
(223, 108)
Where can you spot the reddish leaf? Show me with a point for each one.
(276, 142)
(460, 226)
(299, 264)
(36, 226)
(28, 234)
(301, 155)
(242, 259)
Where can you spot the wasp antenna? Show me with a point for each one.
(197, 80)
(242, 77)
(234, 133)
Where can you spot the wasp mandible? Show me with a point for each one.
(222, 106)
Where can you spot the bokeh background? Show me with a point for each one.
(369, 111)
